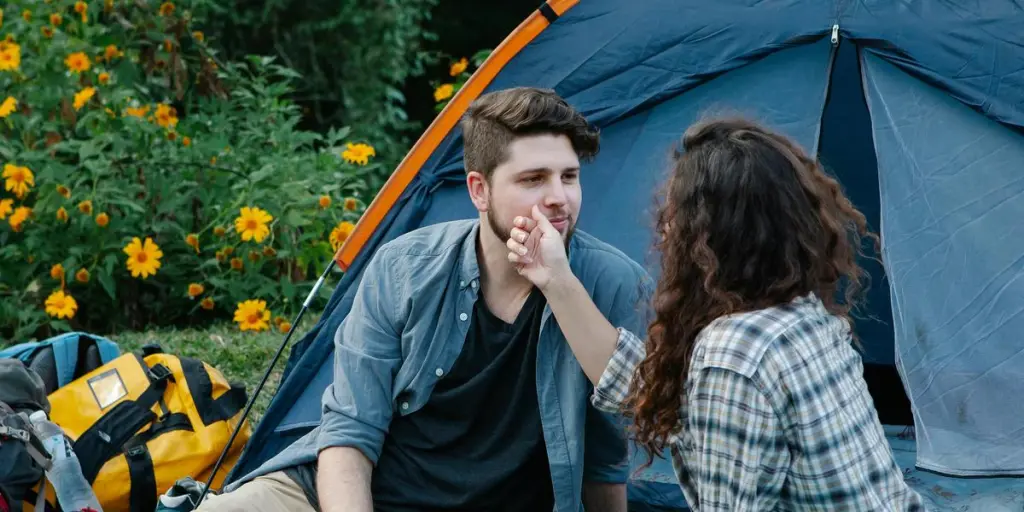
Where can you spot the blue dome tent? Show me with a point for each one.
(917, 106)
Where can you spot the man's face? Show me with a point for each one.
(540, 170)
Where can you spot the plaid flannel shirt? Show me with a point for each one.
(777, 416)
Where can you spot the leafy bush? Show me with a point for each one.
(148, 183)
(354, 56)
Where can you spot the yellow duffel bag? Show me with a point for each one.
(139, 423)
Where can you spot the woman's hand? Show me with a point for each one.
(537, 250)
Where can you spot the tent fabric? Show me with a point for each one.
(643, 70)
(952, 205)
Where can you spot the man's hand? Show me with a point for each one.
(537, 250)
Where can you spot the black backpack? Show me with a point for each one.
(23, 458)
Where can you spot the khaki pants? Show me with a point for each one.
(274, 492)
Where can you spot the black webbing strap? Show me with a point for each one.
(548, 12)
(211, 410)
(144, 493)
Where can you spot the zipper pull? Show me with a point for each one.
(835, 34)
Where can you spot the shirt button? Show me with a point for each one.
(463, 317)
(474, 285)
(439, 372)
(405, 405)
(462, 283)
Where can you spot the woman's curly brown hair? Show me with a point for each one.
(748, 221)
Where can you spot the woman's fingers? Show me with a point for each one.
(515, 246)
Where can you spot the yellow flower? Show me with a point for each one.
(47, 31)
(19, 217)
(206, 303)
(62, 214)
(81, 7)
(166, 9)
(143, 259)
(27, 15)
(85, 207)
(458, 67)
(325, 201)
(171, 136)
(56, 19)
(340, 233)
(269, 252)
(10, 56)
(6, 207)
(186, 141)
(192, 240)
(219, 231)
(137, 111)
(253, 315)
(166, 116)
(358, 153)
(237, 263)
(252, 224)
(111, 52)
(64, 191)
(19, 179)
(82, 97)
(57, 272)
(350, 204)
(82, 276)
(102, 220)
(78, 62)
(104, 78)
(444, 92)
(61, 305)
(8, 107)
(195, 290)
(198, 36)
(285, 326)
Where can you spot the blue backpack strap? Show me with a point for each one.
(65, 356)
(108, 349)
(21, 351)
(67, 349)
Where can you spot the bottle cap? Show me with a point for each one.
(37, 416)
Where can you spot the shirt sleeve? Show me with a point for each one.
(738, 452)
(357, 405)
(613, 386)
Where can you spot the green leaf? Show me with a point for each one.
(296, 219)
(108, 285)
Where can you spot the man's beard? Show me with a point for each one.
(504, 233)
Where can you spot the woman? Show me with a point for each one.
(748, 373)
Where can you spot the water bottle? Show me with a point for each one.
(73, 491)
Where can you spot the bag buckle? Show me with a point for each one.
(159, 372)
(136, 450)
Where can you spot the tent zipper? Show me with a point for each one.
(835, 34)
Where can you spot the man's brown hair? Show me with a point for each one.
(494, 120)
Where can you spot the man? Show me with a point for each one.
(749, 373)
(453, 388)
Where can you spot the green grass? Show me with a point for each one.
(240, 356)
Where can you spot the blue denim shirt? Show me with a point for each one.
(407, 325)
